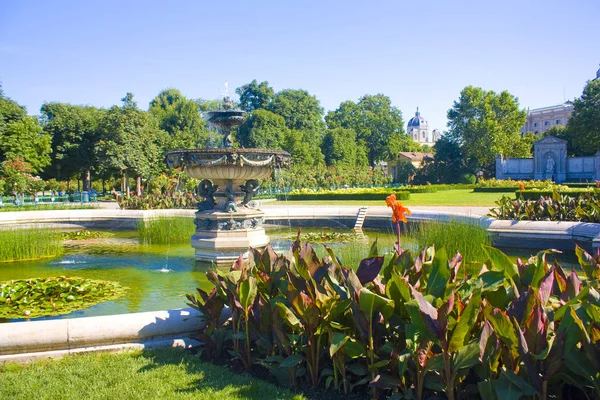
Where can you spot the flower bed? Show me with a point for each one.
(344, 194)
(415, 327)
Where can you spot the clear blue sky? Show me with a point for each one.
(419, 53)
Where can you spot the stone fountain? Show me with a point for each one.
(228, 221)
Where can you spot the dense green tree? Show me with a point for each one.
(485, 124)
(25, 138)
(255, 95)
(377, 123)
(340, 148)
(75, 130)
(180, 118)
(262, 129)
(132, 142)
(583, 128)
(303, 117)
(21, 136)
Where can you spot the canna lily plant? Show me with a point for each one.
(398, 215)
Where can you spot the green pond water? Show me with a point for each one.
(159, 276)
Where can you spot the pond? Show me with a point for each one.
(159, 276)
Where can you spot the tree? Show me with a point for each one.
(377, 123)
(583, 128)
(485, 124)
(262, 129)
(21, 136)
(255, 95)
(180, 118)
(303, 117)
(24, 138)
(340, 147)
(75, 131)
(131, 142)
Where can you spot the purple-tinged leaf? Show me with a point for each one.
(546, 287)
(440, 274)
(521, 307)
(573, 286)
(238, 264)
(560, 278)
(269, 259)
(535, 332)
(465, 323)
(486, 332)
(369, 269)
(587, 263)
(454, 265)
(428, 313)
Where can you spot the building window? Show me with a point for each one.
(546, 123)
(536, 132)
(558, 122)
(535, 124)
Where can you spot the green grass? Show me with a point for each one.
(166, 230)
(29, 244)
(458, 197)
(159, 374)
(47, 207)
(455, 236)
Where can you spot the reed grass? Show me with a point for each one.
(29, 244)
(455, 236)
(165, 230)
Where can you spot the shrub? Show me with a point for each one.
(467, 178)
(345, 194)
(510, 184)
(557, 207)
(415, 327)
(159, 201)
(535, 194)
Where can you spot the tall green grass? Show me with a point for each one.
(29, 244)
(165, 230)
(455, 236)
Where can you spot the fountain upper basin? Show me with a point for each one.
(222, 164)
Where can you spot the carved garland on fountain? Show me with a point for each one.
(206, 224)
(177, 160)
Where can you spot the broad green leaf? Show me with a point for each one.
(248, 292)
(292, 361)
(502, 325)
(587, 263)
(577, 361)
(492, 280)
(506, 390)
(370, 303)
(288, 316)
(486, 390)
(465, 323)
(519, 382)
(440, 274)
(466, 357)
(502, 262)
(338, 340)
(355, 349)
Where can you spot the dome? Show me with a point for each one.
(417, 120)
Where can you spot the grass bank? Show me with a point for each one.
(159, 374)
(29, 244)
(166, 230)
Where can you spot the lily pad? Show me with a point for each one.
(39, 297)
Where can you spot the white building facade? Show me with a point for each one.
(418, 130)
(539, 120)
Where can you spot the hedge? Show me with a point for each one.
(494, 189)
(400, 195)
(422, 189)
(535, 194)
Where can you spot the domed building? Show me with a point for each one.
(418, 130)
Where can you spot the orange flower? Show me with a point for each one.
(398, 210)
(521, 186)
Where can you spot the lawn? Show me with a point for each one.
(159, 374)
(458, 197)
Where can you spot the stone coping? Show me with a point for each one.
(57, 337)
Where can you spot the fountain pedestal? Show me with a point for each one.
(222, 236)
